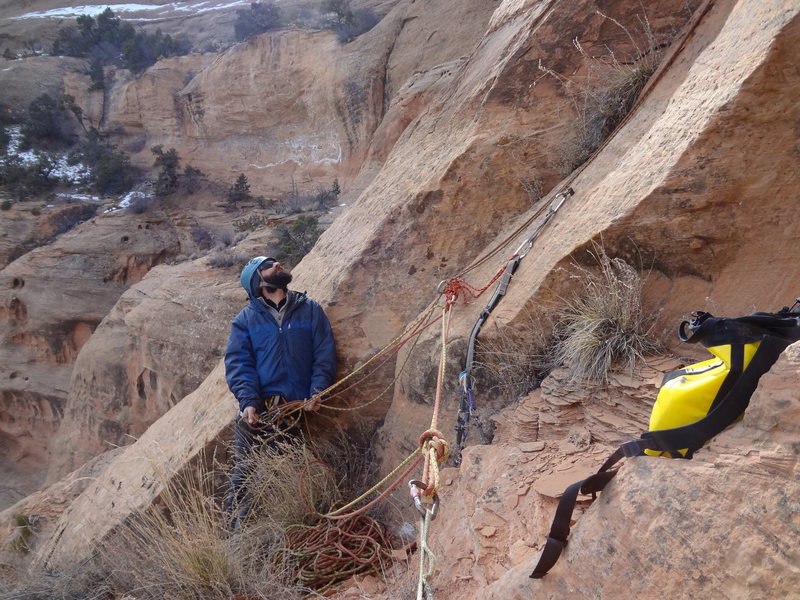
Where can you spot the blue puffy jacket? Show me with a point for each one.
(294, 361)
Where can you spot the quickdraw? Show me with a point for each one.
(467, 408)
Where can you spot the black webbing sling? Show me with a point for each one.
(775, 331)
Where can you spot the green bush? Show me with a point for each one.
(97, 75)
(112, 172)
(260, 18)
(46, 124)
(240, 190)
(143, 50)
(192, 178)
(25, 181)
(169, 161)
(109, 40)
(296, 240)
(347, 23)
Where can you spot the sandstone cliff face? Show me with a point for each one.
(135, 477)
(694, 184)
(170, 330)
(45, 321)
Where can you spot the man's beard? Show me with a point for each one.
(279, 280)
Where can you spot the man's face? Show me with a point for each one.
(275, 277)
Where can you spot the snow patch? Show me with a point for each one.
(85, 197)
(163, 9)
(127, 199)
(74, 174)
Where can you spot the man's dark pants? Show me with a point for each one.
(247, 441)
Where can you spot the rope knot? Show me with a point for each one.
(433, 439)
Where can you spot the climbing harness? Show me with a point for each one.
(467, 408)
(694, 404)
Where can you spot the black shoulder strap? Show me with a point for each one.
(559, 530)
(733, 399)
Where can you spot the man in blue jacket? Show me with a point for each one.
(280, 349)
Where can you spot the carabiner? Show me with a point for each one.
(415, 488)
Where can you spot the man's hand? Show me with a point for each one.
(249, 415)
(312, 404)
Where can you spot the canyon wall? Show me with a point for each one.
(448, 134)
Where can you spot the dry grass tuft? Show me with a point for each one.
(288, 483)
(608, 92)
(81, 582)
(179, 548)
(183, 548)
(512, 360)
(605, 324)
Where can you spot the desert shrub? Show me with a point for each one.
(192, 178)
(362, 21)
(347, 23)
(110, 40)
(262, 17)
(75, 582)
(96, 75)
(325, 198)
(184, 549)
(226, 257)
(179, 548)
(295, 203)
(36, 211)
(608, 92)
(240, 190)
(225, 238)
(513, 359)
(605, 324)
(140, 203)
(71, 218)
(46, 124)
(26, 180)
(264, 203)
(169, 162)
(294, 241)
(5, 205)
(144, 49)
(201, 237)
(251, 223)
(112, 171)
(23, 532)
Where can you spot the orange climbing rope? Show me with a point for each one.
(328, 553)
